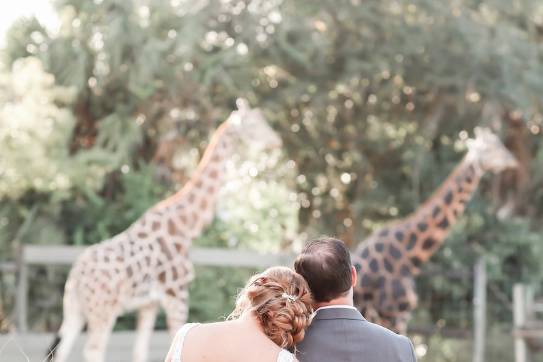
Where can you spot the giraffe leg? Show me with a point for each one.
(72, 324)
(401, 323)
(371, 314)
(177, 310)
(99, 330)
(387, 322)
(395, 321)
(406, 307)
(146, 322)
(382, 318)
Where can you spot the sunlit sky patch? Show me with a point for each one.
(14, 10)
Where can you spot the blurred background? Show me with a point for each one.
(106, 107)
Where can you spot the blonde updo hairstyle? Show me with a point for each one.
(281, 300)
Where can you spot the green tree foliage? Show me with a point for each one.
(36, 130)
(372, 99)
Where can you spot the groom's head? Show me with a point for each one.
(326, 266)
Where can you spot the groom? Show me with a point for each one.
(338, 331)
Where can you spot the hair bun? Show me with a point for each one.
(281, 301)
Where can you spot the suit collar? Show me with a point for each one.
(338, 313)
(336, 306)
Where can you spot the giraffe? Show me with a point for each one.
(390, 259)
(147, 266)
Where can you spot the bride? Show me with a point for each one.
(270, 317)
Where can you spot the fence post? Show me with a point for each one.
(529, 300)
(21, 298)
(519, 320)
(479, 310)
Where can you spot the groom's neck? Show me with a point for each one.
(342, 300)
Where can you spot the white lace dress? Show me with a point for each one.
(284, 355)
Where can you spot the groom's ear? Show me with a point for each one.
(354, 276)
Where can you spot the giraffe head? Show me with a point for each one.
(252, 127)
(489, 152)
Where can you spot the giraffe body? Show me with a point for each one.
(147, 266)
(391, 258)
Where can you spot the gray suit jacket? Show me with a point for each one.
(342, 334)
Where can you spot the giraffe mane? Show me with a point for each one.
(204, 161)
(428, 202)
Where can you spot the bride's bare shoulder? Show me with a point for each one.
(221, 324)
(218, 328)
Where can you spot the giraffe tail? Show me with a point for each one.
(72, 323)
(52, 348)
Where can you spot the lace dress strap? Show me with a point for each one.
(180, 339)
(285, 356)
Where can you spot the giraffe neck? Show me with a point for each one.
(190, 209)
(426, 229)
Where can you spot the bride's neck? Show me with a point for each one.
(249, 319)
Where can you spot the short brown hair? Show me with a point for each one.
(281, 300)
(325, 264)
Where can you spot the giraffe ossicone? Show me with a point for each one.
(147, 266)
(389, 260)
